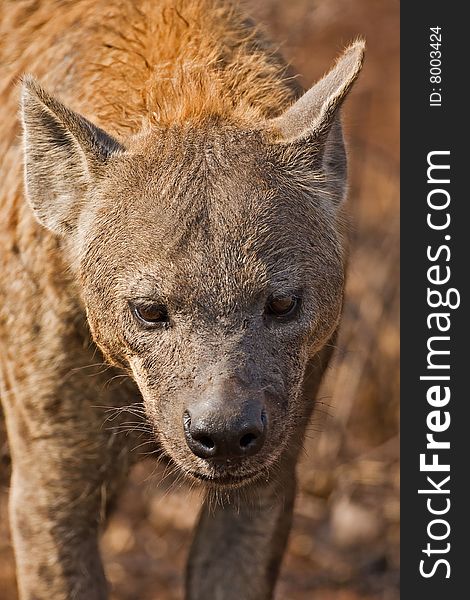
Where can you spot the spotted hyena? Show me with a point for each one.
(182, 219)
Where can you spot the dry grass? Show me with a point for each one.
(344, 545)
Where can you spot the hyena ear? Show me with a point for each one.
(311, 127)
(63, 155)
(313, 114)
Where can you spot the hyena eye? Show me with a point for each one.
(150, 315)
(282, 307)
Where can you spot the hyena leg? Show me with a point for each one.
(65, 467)
(238, 547)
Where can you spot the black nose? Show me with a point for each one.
(209, 435)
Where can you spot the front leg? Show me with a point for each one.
(55, 532)
(238, 547)
(63, 476)
(66, 466)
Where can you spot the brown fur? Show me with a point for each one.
(188, 177)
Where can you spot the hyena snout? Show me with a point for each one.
(228, 431)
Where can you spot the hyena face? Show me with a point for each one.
(211, 262)
(213, 275)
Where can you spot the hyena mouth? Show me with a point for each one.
(225, 481)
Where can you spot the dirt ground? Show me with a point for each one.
(344, 543)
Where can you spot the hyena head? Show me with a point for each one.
(210, 258)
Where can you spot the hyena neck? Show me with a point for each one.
(184, 62)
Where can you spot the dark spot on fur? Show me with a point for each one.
(46, 574)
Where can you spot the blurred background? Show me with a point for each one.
(344, 542)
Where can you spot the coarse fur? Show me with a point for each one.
(171, 161)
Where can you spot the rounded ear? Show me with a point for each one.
(313, 114)
(63, 155)
(311, 129)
